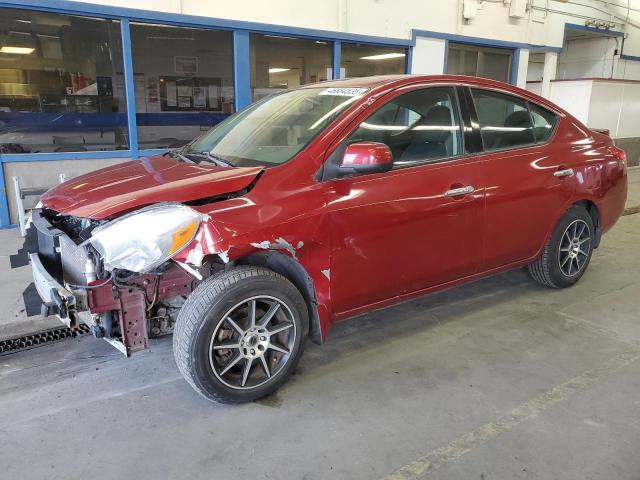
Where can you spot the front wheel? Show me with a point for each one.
(240, 334)
(567, 253)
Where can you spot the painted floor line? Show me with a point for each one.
(439, 457)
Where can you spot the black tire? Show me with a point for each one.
(551, 269)
(204, 315)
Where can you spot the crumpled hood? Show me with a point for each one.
(123, 187)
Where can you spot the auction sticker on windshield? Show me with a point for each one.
(343, 91)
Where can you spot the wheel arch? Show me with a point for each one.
(594, 212)
(293, 271)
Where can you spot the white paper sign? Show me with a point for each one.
(172, 99)
(343, 91)
(199, 97)
(185, 90)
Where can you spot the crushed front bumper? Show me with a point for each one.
(57, 264)
(120, 313)
(56, 299)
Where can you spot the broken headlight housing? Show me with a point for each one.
(142, 240)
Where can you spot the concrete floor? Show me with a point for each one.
(493, 380)
(633, 192)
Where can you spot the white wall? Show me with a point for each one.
(588, 58)
(396, 18)
(428, 56)
(616, 106)
(574, 97)
(628, 69)
(610, 104)
(535, 67)
(523, 65)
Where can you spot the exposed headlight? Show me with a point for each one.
(142, 240)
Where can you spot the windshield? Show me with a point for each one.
(272, 131)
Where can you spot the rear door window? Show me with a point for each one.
(505, 121)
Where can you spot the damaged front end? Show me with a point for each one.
(118, 277)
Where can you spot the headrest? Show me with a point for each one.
(427, 129)
(521, 120)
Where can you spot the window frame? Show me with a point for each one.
(555, 126)
(477, 131)
(331, 163)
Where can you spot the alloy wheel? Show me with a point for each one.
(253, 342)
(575, 247)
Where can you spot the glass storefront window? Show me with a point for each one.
(61, 84)
(359, 60)
(279, 63)
(183, 82)
(494, 63)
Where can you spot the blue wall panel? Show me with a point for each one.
(337, 53)
(241, 69)
(129, 84)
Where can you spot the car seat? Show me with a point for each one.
(429, 142)
(518, 130)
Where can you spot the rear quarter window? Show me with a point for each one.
(544, 121)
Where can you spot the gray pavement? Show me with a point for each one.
(497, 379)
(633, 194)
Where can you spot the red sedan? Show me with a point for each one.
(318, 204)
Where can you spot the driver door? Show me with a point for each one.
(413, 227)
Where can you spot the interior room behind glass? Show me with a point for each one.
(183, 82)
(475, 61)
(61, 83)
(279, 63)
(362, 60)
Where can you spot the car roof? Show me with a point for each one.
(377, 82)
(382, 80)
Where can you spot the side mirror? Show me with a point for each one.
(366, 157)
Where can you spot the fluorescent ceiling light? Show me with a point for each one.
(17, 50)
(278, 70)
(383, 56)
(178, 39)
(281, 36)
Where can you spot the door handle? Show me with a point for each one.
(456, 192)
(567, 172)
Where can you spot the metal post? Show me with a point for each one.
(4, 204)
(548, 73)
(19, 206)
(129, 86)
(337, 52)
(241, 69)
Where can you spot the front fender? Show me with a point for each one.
(298, 250)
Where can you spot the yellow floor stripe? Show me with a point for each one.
(467, 442)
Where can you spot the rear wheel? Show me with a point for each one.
(567, 253)
(240, 334)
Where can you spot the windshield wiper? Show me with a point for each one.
(178, 154)
(221, 162)
(183, 158)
